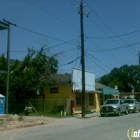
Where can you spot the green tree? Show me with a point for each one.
(3, 66)
(126, 77)
(31, 74)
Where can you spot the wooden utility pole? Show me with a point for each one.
(8, 64)
(82, 59)
(139, 72)
(5, 26)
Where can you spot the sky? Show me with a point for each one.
(111, 32)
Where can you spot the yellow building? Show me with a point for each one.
(62, 97)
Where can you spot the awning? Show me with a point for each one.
(109, 91)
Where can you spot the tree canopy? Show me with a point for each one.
(126, 78)
(3, 66)
(29, 75)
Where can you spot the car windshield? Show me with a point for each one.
(129, 101)
(111, 102)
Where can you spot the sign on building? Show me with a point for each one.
(77, 80)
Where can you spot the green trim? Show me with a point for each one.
(108, 91)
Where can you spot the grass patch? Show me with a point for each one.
(1, 122)
(20, 118)
(9, 119)
(49, 113)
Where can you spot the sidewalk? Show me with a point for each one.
(94, 114)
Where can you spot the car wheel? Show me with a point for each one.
(135, 110)
(119, 112)
(126, 112)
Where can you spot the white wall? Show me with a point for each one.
(77, 80)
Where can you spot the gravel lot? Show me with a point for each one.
(8, 122)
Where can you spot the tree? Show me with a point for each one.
(126, 78)
(31, 74)
(3, 66)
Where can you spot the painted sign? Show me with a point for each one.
(77, 80)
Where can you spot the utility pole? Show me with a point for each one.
(139, 71)
(8, 64)
(82, 58)
(5, 26)
(8, 69)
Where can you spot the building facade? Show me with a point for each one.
(66, 99)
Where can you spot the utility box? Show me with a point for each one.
(2, 104)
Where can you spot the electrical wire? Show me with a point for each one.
(52, 15)
(70, 62)
(77, 56)
(121, 47)
(97, 60)
(72, 3)
(64, 42)
(105, 32)
(108, 53)
(41, 34)
(116, 36)
(95, 63)
(107, 25)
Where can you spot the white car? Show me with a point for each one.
(133, 105)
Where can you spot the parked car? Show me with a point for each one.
(114, 107)
(133, 105)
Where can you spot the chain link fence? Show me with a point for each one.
(40, 105)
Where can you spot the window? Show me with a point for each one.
(129, 101)
(78, 99)
(112, 102)
(91, 101)
(53, 90)
(121, 102)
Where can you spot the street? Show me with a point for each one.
(94, 128)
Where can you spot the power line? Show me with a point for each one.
(77, 56)
(72, 3)
(116, 36)
(70, 62)
(97, 60)
(121, 47)
(95, 63)
(67, 42)
(60, 53)
(106, 25)
(52, 15)
(64, 42)
(39, 33)
(105, 32)
(111, 55)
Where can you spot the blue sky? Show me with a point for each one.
(112, 31)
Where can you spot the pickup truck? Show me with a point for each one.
(114, 107)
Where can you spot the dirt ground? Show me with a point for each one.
(8, 122)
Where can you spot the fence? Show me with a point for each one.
(40, 105)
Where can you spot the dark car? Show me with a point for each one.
(133, 105)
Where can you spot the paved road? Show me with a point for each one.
(94, 128)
